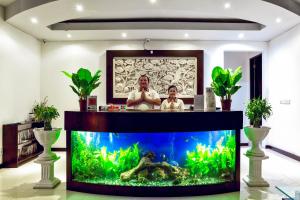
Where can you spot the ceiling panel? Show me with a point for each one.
(53, 12)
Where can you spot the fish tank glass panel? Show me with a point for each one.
(153, 159)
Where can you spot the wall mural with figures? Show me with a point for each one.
(163, 72)
(183, 68)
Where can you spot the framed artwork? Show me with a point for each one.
(183, 68)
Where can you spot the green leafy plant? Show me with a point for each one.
(224, 82)
(91, 163)
(205, 162)
(45, 113)
(257, 109)
(84, 82)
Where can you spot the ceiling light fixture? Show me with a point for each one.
(186, 35)
(241, 35)
(124, 35)
(153, 1)
(278, 20)
(34, 20)
(227, 5)
(79, 7)
(69, 35)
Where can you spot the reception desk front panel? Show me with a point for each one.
(151, 163)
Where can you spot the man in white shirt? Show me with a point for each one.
(143, 98)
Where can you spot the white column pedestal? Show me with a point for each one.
(254, 178)
(48, 181)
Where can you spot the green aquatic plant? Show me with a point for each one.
(128, 158)
(88, 162)
(204, 162)
(84, 164)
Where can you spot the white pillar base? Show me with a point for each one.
(48, 181)
(255, 179)
(49, 184)
(256, 183)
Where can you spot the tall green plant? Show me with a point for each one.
(257, 109)
(45, 113)
(225, 82)
(84, 82)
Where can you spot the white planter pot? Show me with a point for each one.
(256, 136)
(47, 139)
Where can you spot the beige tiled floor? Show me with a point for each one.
(18, 183)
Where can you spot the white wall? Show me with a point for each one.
(284, 84)
(20, 56)
(58, 56)
(240, 99)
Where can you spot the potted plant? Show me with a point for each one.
(84, 84)
(46, 136)
(224, 84)
(256, 110)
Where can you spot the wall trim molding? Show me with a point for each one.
(283, 152)
(244, 144)
(58, 149)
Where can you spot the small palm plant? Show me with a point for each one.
(45, 113)
(258, 109)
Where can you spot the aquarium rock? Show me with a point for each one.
(147, 170)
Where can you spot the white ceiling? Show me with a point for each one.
(61, 10)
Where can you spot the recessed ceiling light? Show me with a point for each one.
(186, 35)
(153, 1)
(227, 5)
(79, 7)
(278, 20)
(124, 35)
(241, 35)
(34, 20)
(69, 35)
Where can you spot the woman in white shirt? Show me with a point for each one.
(172, 102)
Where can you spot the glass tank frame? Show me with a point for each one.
(153, 159)
(122, 122)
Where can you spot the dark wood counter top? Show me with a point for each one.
(153, 120)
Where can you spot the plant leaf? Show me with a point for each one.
(75, 90)
(84, 74)
(234, 89)
(236, 76)
(67, 74)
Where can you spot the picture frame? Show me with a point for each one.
(91, 103)
(130, 64)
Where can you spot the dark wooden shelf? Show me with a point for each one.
(29, 157)
(11, 148)
(30, 141)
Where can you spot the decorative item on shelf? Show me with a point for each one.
(210, 100)
(198, 102)
(92, 103)
(84, 84)
(224, 84)
(256, 110)
(46, 136)
(112, 107)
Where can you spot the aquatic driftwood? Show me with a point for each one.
(148, 170)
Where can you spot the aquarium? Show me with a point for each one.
(160, 159)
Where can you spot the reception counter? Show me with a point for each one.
(153, 153)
